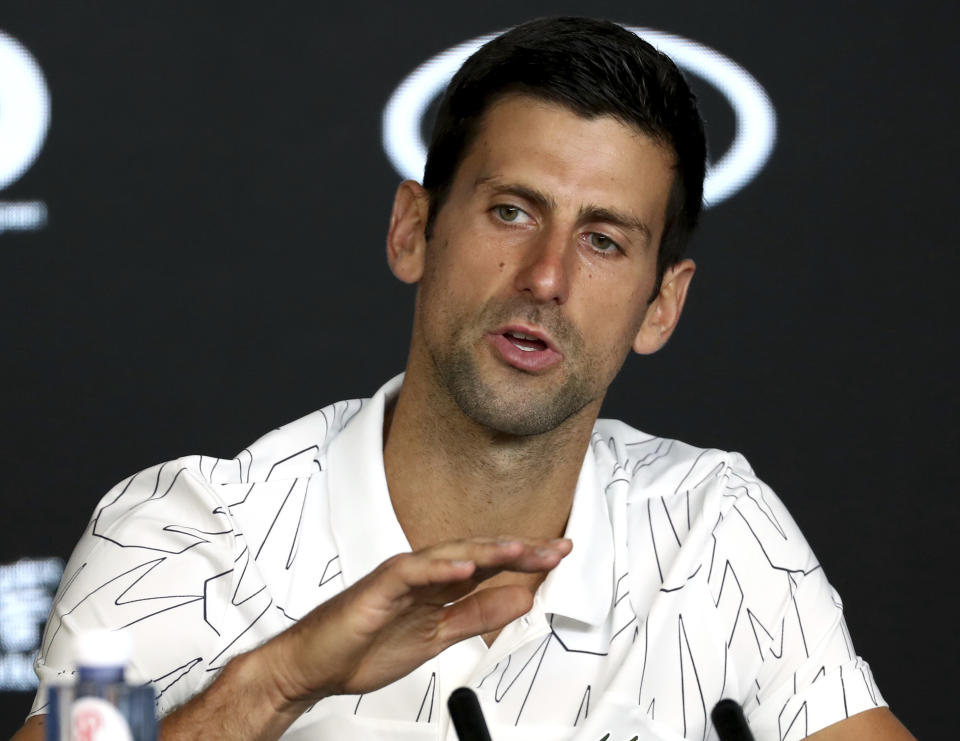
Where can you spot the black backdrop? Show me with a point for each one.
(212, 266)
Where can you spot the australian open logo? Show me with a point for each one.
(756, 122)
(24, 120)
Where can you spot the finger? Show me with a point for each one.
(481, 544)
(534, 557)
(531, 557)
(395, 586)
(433, 572)
(441, 594)
(515, 554)
(484, 611)
(398, 577)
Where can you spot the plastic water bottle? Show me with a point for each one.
(100, 705)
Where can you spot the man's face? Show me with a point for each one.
(537, 277)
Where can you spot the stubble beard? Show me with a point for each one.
(508, 409)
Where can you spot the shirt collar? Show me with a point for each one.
(367, 532)
(365, 527)
(582, 585)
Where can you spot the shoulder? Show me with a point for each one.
(669, 470)
(711, 551)
(688, 507)
(206, 486)
(293, 450)
(173, 549)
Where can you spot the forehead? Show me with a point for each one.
(577, 160)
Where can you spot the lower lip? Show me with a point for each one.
(531, 361)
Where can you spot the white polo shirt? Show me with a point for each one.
(688, 582)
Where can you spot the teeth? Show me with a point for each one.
(518, 337)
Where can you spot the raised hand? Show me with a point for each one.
(406, 611)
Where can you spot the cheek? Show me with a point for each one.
(446, 292)
(615, 320)
(470, 268)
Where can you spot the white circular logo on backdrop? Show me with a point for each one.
(756, 122)
(24, 109)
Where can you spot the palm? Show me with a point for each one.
(408, 610)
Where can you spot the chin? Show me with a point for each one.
(518, 412)
(508, 401)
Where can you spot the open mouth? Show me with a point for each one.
(525, 342)
(524, 351)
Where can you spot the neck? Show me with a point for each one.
(450, 477)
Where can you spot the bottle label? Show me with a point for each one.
(94, 719)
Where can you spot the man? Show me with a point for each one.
(344, 574)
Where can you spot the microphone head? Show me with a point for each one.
(467, 716)
(728, 719)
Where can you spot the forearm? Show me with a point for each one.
(406, 611)
(246, 702)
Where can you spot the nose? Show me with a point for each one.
(546, 267)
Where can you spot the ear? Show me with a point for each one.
(406, 243)
(663, 313)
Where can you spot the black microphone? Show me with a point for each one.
(467, 716)
(727, 717)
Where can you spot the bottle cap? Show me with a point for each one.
(103, 648)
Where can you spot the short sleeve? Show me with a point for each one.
(821, 680)
(808, 675)
(157, 561)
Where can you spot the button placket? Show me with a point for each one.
(529, 628)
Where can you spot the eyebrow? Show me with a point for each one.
(587, 213)
(533, 195)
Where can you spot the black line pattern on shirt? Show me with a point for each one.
(246, 496)
(294, 546)
(324, 578)
(653, 540)
(289, 617)
(249, 459)
(666, 512)
(275, 518)
(312, 449)
(686, 581)
(617, 596)
(206, 601)
(643, 673)
(162, 684)
(763, 548)
(568, 649)
(430, 692)
(843, 686)
(501, 691)
(584, 710)
(234, 603)
(754, 622)
(235, 599)
(684, 643)
(543, 652)
(870, 685)
(213, 667)
(801, 711)
(488, 675)
(661, 450)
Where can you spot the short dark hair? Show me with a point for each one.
(594, 68)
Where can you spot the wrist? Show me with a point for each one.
(248, 700)
(267, 674)
(277, 665)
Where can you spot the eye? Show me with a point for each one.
(602, 243)
(509, 214)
